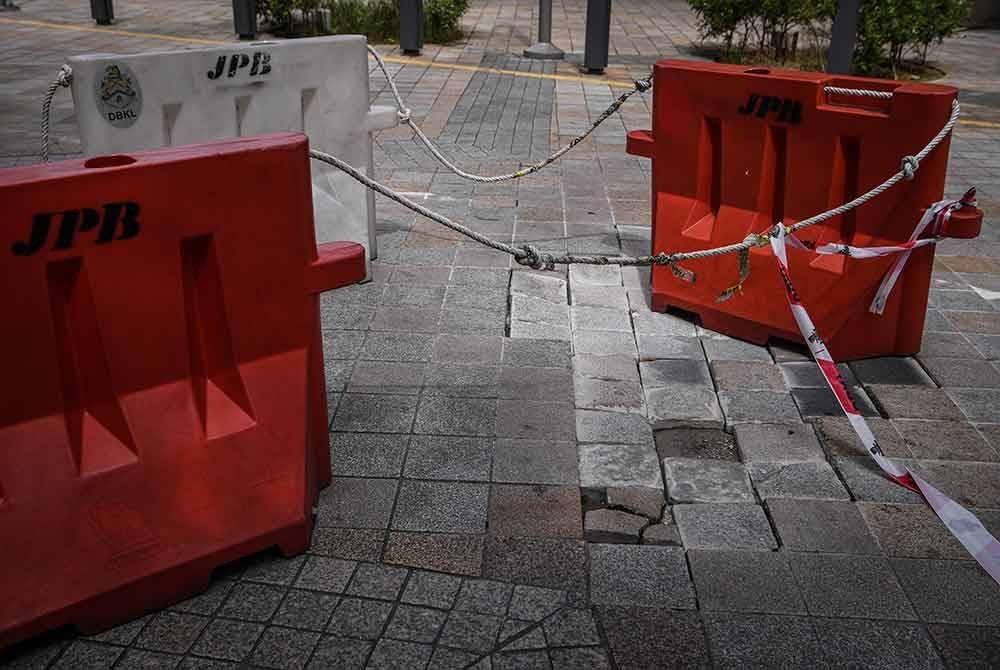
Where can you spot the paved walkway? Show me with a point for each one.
(479, 413)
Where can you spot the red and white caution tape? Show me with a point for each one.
(872, 252)
(962, 523)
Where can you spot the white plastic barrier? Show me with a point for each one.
(317, 85)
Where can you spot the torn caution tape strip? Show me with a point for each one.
(962, 523)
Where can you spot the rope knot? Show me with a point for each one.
(65, 76)
(757, 239)
(909, 167)
(404, 115)
(643, 85)
(533, 258)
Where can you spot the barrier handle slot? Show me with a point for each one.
(641, 143)
(338, 264)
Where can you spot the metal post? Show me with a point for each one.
(411, 26)
(845, 28)
(8, 6)
(245, 19)
(544, 48)
(595, 50)
(103, 11)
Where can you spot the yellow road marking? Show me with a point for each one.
(399, 60)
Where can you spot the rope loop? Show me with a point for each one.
(65, 76)
(909, 167)
(643, 85)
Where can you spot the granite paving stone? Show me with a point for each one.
(467, 630)
(640, 637)
(518, 635)
(604, 343)
(207, 602)
(367, 454)
(969, 484)
(468, 349)
(595, 275)
(821, 525)
(534, 511)
(778, 443)
(958, 372)
(701, 480)
(638, 500)
(806, 374)
(647, 322)
(459, 554)
(449, 458)
(578, 658)
(372, 580)
(947, 345)
(520, 660)
(945, 440)
(171, 632)
(535, 462)
(445, 658)
(617, 367)
(533, 420)
(866, 481)
(134, 659)
(456, 416)
(753, 375)
(968, 646)
(599, 296)
(546, 562)
(796, 480)
(538, 311)
(536, 353)
(977, 404)
(600, 318)
(722, 348)
(613, 526)
(762, 641)
(228, 640)
(357, 617)
(949, 591)
(912, 531)
(417, 624)
(914, 402)
(431, 589)
(325, 574)
(724, 526)
(309, 610)
(538, 285)
(820, 402)
(742, 406)
(603, 465)
(850, 586)
(711, 443)
(890, 370)
(532, 383)
(609, 395)
(644, 576)
(356, 503)
(252, 602)
(399, 655)
(284, 648)
(354, 544)
(412, 347)
(839, 439)
(269, 568)
(334, 651)
(612, 427)
(86, 654)
(535, 331)
(443, 507)
(662, 533)
(654, 347)
(463, 381)
(571, 628)
(533, 603)
(375, 413)
(671, 372)
(484, 596)
(745, 581)
(683, 405)
(124, 634)
(890, 644)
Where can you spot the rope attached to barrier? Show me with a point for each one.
(62, 80)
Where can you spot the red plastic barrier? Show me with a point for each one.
(737, 149)
(162, 404)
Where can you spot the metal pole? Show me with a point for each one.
(544, 48)
(845, 28)
(8, 6)
(103, 11)
(245, 19)
(595, 50)
(411, 26)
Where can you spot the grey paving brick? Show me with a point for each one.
(840, 440)
(337, 373)
(538, 285)
(977, 404)
(207, 602)
(724, 526)
(464, 297)
(683, 405)
(609, 395)
(124, 634)
(945, 440)
(355, 544)
(484, 596)
(595, 275)
(579, 657)
(399, 655)
(284, 648)
(252, 602)
(334, 651)
(410, 347)
(531, 383)
(604, 343)
(669, 373)
(416, 624)
(473, 321)
(546, 562)
(308, 610)
(171, 632)
(891, 370)
(778, 443)
(431, 589)
(356, 503)
(538, 311)
(415, 275)
(536, 331)
(969, 484)
(969, 373)
(806, 374)
(536, 353)
(641, 637)
(753, 375)
(228, 640)
(455, 553)
(653, 347)
(471, 276)
(968, 646)
(535, 462)
(446, 507)
(815, 525)
(445, 658)
(86, 654)
(603, 465)
(756, 406)
(456, 416)
(518, 418)
(599, 296)
(147, 660)
(405, 319)
(647, 322)
(618, 367)
(613, 526)
(357, 617)
(520, 660)
(867, 482)
(449, 458)
(645, 576)
(721, 348)
(701, 480)
(745, 581)
(796, 480)
(533, 603)
(467, 349)
(947, 345)
(914, 531)
(711, 443)
(914, 402)
(534, 511)
(889, 644)
(413, 296)
(367, 454)
(463, 381)
(762, 641)
(600, 318)
(372, 580)
(345, 317)
(612, 427)
(571, 628)
(375, 413)
(850, 586)
(325, 574)
(820, 402)
(474, 632)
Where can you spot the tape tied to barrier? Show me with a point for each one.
(962, 523)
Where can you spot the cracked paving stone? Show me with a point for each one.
(662, 534)
(638, 500)
(613, 526)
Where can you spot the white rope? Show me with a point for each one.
(405, 117)
(62, 80)
(858, 92)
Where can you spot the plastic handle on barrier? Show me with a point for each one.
(339, 264)
(641, 143)
(381, 117)
(963, 223)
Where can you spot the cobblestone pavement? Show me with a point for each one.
(534, 470)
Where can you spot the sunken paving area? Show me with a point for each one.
(534, 470)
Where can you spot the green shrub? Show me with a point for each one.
(892, 31)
